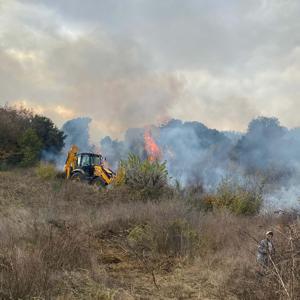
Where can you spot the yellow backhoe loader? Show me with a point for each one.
(88, 167)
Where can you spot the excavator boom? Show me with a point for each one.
(71, 160)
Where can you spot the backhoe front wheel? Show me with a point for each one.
(99, 183)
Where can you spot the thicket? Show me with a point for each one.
(148, 178)
(25, 135)
(240, 198)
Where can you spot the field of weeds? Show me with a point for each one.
(66, 240)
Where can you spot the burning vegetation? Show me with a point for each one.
(151, 147)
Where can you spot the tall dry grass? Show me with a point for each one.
(65, 240)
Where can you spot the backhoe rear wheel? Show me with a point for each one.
(77, 177)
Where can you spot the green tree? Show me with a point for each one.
(30, 148)
(14, 122)
(51, 137)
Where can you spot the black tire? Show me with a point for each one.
(99, 183)
(77, 177)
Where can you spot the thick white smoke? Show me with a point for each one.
(267, 152)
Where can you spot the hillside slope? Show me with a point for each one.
(65, 240)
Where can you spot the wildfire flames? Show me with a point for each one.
(151, 147)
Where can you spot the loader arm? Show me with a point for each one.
(105, 174)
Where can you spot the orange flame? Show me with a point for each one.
(151, 147)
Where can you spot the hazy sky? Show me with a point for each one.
(129, 63)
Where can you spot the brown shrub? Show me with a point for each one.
(22, 274)
(176, 238)
(31, 265)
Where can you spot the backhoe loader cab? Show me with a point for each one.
(87, 167)
(87, 161)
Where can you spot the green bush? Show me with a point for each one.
(46, 171)
(175, 238)
(240, 199)
(150, 179)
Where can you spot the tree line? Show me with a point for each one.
(26, 136)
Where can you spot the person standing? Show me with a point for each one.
(266, 250)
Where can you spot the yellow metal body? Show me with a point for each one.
(101, 171)
(106, 175)
(71, 160)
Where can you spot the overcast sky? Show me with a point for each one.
(130, 63)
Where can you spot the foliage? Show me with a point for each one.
(240, 199)
(120, 177)
(46, 171)
(51, 137)
(181, 238)
(19, 128)
(196, 198)
(31, 146)
(147, 178)
(175, 238)
(13, 123)
(141, 237)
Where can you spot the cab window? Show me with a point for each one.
(78, 160)
(96, 160)
(85, 160)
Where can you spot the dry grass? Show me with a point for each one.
(61, 240)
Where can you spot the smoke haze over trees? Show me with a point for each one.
(77, 132)
(194, 148)
(196, 154)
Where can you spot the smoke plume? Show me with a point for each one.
(197, 154)
(77, 132)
